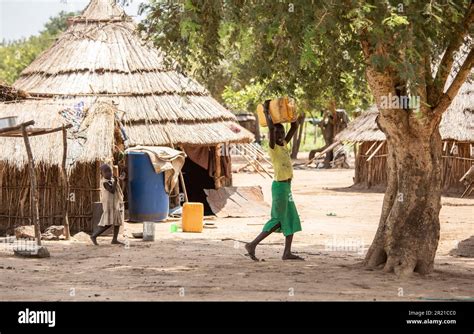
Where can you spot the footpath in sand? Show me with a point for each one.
(211, 265)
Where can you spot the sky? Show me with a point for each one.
(24, 18)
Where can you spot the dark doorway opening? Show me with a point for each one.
(196, 180)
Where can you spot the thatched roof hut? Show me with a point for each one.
(457, 132)
(94, 142)
(101, 54)
(101, 63)
(457, 122)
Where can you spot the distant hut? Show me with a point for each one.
(249, 121)
(101, 61)
(457, 132)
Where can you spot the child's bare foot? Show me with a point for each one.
(291, 256)
(116, 242)
(251, 251)
(94, 240)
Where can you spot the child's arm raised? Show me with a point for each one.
(293, 128)
(291, 131)
(111, 185)
(271, 127)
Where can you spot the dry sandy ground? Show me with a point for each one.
(211, 265)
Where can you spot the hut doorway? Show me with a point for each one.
(206, 167)
(196, 179)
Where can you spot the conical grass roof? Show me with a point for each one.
(102, 55)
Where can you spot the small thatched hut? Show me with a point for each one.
(457, 132)
(249, 121)
(101, 60)
(93, 143)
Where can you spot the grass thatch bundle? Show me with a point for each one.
(8, 93)
(93, 142)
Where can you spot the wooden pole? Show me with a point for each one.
(258, 164)
(254, 163)
(315, 134)
(305, 127)
(33, 186)
(356, 165)
(297, 138)
(217, 175)
(65, 178)
(376, 150)
(17, 127)
(181, 178)
(371, 147)
(259, 154)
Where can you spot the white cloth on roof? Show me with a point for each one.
(164, 159)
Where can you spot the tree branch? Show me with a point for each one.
(447, 61)
(446, 99)
(422, 89)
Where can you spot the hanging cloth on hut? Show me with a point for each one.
(204, 157)
(164, 159)
(199, 155)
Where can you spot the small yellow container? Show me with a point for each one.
(282, 110)
(192, 217)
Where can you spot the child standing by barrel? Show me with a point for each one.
(284, 216)
(111, 197)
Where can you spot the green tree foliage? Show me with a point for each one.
(276, 43)
(331, 50)
(16, 55)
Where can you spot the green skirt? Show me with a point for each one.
(283, 210)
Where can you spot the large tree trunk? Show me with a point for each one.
(297, 138)
(408, 232)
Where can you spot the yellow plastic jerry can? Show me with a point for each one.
(192, 217)
(282, 110)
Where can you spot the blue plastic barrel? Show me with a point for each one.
(147, 199)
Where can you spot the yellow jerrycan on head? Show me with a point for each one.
(282, 110)
(192, 217)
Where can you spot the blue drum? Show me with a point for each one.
(147, 198)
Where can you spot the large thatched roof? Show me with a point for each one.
(102, 55)
(457, 122)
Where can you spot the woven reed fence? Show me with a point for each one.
(15, 204)
(374, 172)
(455, 165)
